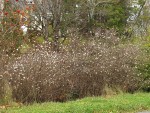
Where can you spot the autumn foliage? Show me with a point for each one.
(12, 18)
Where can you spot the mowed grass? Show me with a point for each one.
(123, 103)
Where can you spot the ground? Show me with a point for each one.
(123, 103)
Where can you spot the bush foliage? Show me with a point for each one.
(81, 68)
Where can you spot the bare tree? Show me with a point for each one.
(140, 19)
(1, 9)
(49, 13)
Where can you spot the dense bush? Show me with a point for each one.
(144, 68)
(82, 68)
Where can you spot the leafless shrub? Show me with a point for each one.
(5, 92)
(82, 68)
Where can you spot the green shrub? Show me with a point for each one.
(144, 68)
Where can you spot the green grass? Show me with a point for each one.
(123, 103)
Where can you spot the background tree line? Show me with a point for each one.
(57, 19)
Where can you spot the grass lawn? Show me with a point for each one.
(123, 103)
